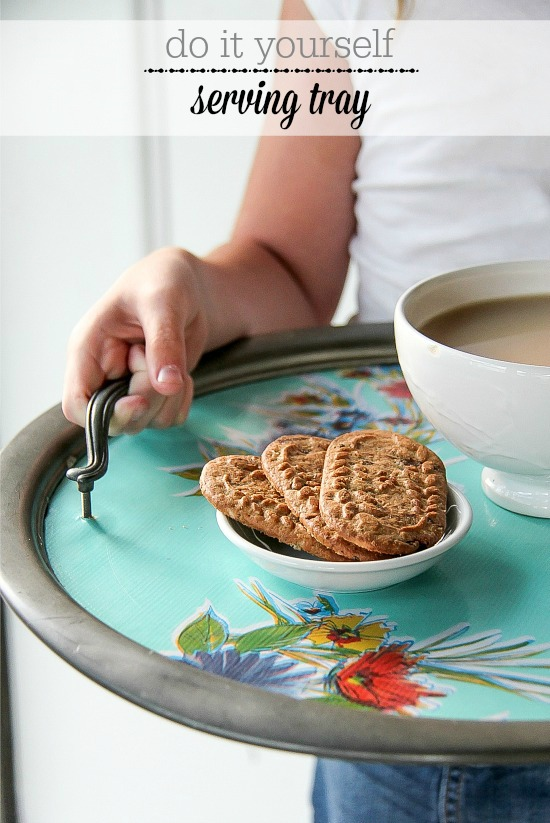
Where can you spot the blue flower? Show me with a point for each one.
(270, 671)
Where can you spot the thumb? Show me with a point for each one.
(165, 354)
(169, 379)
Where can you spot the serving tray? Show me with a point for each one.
(151, 600)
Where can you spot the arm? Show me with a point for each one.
(283, 267)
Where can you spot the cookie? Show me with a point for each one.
(294, 465)
(237, 486)
(383, 491)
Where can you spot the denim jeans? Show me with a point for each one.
(350, 792)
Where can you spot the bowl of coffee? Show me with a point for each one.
(474, 348)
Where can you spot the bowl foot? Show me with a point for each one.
(524, 494)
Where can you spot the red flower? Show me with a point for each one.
(379, 679)
(399, 390)
(342, 637)
(357, 373)
(398, 421)
(304, 399)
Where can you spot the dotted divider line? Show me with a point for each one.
(280, 71)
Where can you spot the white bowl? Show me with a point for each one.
(496, 412)
(322, 575)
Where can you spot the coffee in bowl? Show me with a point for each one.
(492, 403)
(514, 329)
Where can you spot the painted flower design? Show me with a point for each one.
(397, 390)
(311, 649)
(384, 680)
(305, 398)
(322, 407)
(357, 373)
(327, 408)
(321, 606)
(189, 471)
(269, 671)
(349, 632)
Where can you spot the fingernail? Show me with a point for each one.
(169, 374)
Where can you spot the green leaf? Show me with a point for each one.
(337, 400)
(205, 634)
(191, 473)
(324, 601)
(271, 637)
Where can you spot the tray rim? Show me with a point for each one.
(33, 464)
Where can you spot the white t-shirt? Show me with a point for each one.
(426, 205)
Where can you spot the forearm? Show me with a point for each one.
(247, 289)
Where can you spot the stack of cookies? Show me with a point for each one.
(366, 495)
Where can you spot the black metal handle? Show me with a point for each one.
(98, 416)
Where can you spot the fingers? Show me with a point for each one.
(89, 365)
(165, 345)
(169, 378)
(144, 407)
(128, 413)
(150, 324)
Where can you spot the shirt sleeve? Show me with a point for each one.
(352, 9)
(326, 9)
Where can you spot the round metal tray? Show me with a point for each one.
(33, 465)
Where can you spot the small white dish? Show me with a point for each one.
(298, 567)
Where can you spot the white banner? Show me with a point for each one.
(241, 77)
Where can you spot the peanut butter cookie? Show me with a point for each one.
(237, 486)
(294, 465)
(383, 491)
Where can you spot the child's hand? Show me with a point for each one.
(284, 267)
(150, 324)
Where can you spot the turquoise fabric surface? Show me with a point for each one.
(467, 639)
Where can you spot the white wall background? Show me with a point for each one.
(74, 213)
